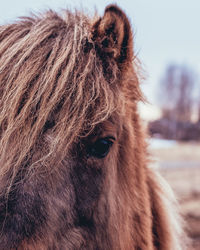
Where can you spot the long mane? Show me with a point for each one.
(49, 77)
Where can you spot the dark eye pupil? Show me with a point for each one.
(100, 148)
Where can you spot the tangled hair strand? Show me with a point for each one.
(48, 80)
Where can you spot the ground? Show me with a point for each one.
(179, 164)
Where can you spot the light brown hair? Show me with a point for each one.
(66, 81)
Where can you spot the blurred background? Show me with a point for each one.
(167, 42)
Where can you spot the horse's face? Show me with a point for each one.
(64, 183)
(66, 206)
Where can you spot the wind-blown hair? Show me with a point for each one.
(73, 159)
(48, 79)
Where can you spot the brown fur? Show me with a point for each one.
(64, 83)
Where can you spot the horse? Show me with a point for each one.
(74, 161)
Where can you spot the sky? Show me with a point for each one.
(165, 32)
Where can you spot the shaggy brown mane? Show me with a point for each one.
(57, 79)
(65, 82)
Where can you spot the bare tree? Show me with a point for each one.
(185, 101)
(176, 95)
(178, 101)
(198, 111)
(167, 93)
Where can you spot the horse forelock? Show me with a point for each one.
(50, 78)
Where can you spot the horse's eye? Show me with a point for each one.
(101, 147)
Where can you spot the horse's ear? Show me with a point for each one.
(113, 37)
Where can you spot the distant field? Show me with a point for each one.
(179, 164)
(175, 151)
